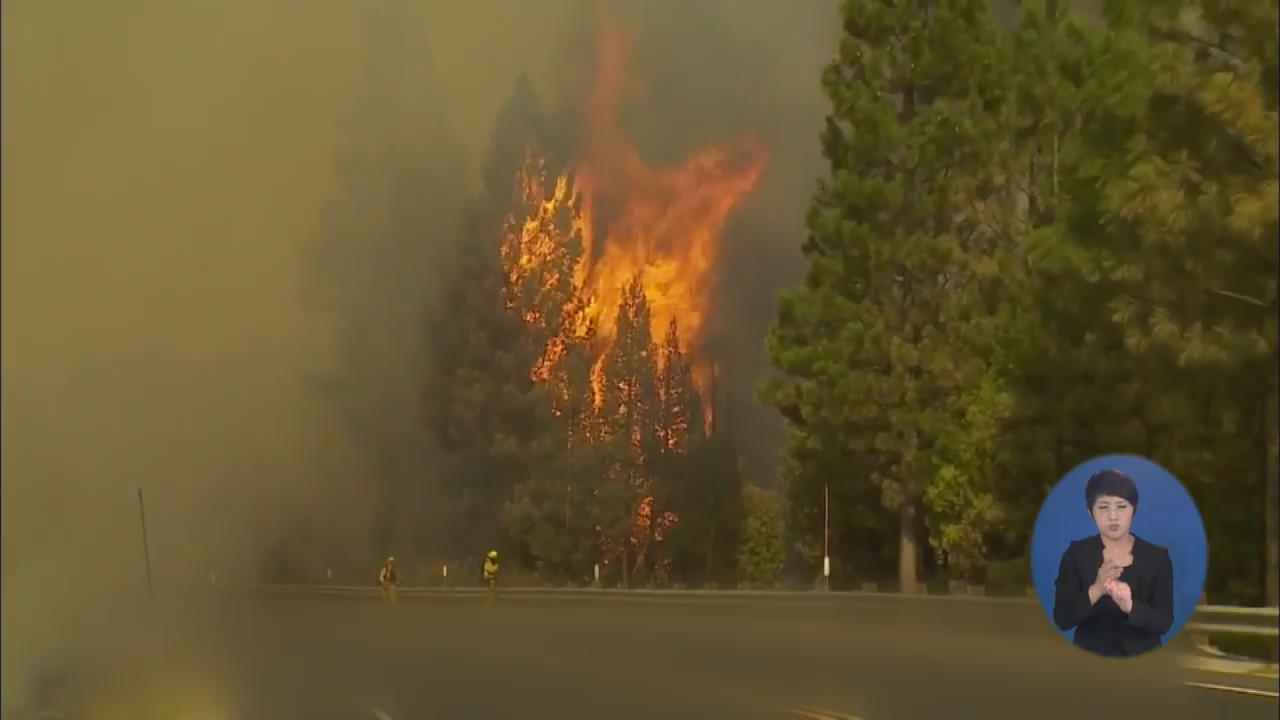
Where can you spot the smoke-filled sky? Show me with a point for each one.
(199, 282)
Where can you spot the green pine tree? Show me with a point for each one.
(862, 531)
(761, 553)
(1054, 367)
(1173, 216)
(707, 498)
(891, 323)
(481, 402)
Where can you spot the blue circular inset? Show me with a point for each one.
(1166, 515)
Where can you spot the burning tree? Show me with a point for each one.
(608, 307)
(543, 259)
(480, 400)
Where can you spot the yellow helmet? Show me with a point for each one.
(391, 559)
(493, 554)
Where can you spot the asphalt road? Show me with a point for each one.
(875, 659)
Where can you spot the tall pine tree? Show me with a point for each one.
(1173, 216)
(1066, 397)
(890, 324)
(550, 519)
(482, 402)
(630, 419)
(680, 430)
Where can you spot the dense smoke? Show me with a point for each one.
(222, 222)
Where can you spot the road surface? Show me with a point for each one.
(313, 658)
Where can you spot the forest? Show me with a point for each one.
(1041, 237)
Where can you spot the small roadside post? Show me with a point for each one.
(826, 536)
(146, 550)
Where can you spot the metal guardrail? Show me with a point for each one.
(1211, 625)
(1207, 619)
(1225, 629)
(806, 596)
(1229, 620)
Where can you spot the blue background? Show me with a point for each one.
(1166, 516)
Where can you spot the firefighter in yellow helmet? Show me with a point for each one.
(389, 579)
(491, 570)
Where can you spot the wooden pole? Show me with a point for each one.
(826, 536)
(146, 549)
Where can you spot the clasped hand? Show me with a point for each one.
(1120, 592)
(1109, 580)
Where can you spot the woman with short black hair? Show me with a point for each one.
(1114, 588)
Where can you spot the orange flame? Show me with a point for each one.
(667, 223)
(537, 247)
(662, 225)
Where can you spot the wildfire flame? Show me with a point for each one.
(667, 223)
(536, 247)
(664, 225)
(660, 225)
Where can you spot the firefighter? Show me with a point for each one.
(389, 579)
(491, 571)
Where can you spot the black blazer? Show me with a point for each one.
(1102, 627)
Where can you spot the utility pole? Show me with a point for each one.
(726, 409)
(146, 550)
(826, 537)
(715, 370)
